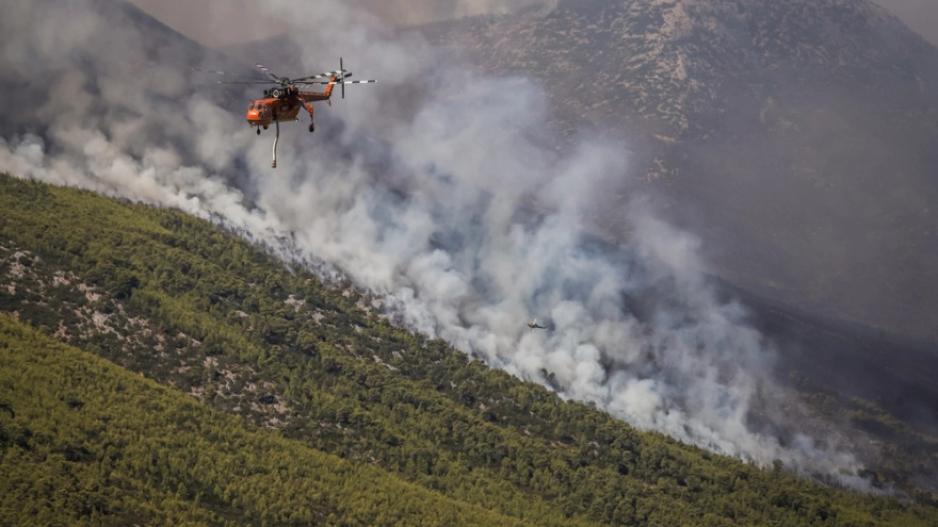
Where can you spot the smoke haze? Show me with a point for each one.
(457, 214)
(237, 21)
(920, 15)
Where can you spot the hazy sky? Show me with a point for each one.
(221, 22)
(212, 22)
(920, 15)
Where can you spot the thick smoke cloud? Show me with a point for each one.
(453, 208)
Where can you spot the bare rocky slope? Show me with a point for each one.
(796, 138)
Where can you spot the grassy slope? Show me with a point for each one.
(83, 439)
(229, 324)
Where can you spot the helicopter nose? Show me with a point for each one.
(253, 115)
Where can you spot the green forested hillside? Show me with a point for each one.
(198, 309)
(85, 441)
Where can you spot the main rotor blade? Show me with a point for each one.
(270, 74)
(203, 70)
(247, 82)
(321, 76)
(226, 80)
(333, 83)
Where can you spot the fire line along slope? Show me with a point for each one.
(197, 309)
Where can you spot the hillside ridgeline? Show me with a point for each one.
(198, 309)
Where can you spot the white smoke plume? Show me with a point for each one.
(447, 200)
(423, 11)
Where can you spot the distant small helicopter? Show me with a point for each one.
(283, 102)
(534, 325)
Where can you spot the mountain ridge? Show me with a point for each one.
(792, 137)
(227, 325)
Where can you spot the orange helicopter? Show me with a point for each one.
(283, 102)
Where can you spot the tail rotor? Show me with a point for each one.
(340, 78)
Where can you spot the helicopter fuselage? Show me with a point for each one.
(284, 104)
(263, 112)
